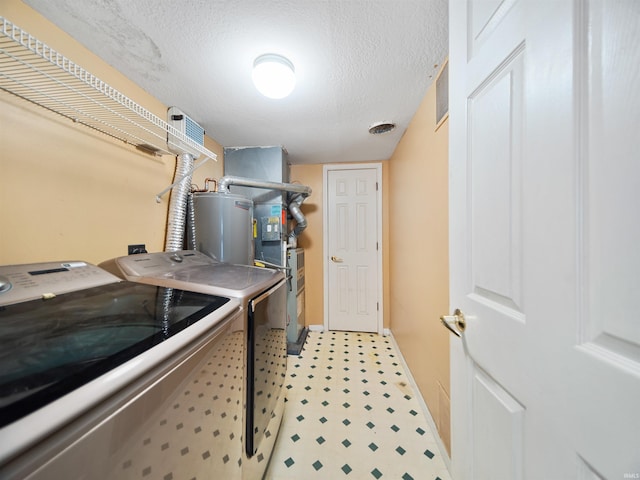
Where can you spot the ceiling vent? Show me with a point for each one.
(381, 127)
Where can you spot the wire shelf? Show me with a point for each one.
(35, 72)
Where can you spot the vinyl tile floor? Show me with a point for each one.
(351, 413)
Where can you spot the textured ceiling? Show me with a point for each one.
(358, 62)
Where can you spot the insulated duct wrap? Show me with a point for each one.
(178, 203)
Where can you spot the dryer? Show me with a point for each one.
(262, 295)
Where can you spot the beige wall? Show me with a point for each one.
(312, 241)
(419, 270)
(67, 192)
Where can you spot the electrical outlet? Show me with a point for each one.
(138, 248)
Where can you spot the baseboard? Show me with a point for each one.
(320, 328)
(423, 404)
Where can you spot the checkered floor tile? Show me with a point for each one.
(351, 413)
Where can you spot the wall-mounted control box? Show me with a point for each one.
(270, 229)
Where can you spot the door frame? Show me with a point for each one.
(377, 166)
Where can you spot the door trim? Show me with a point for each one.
(325, 239)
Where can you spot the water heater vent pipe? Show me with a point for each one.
(301, 192)
(227, 180)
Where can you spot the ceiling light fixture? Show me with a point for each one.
(273, 75)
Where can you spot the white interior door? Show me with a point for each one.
(352, 248)
(545, 235)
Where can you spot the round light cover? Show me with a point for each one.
(273, 75)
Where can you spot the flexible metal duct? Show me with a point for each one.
(191, 223)
(178, 203)
(301, 192)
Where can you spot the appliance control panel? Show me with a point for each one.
(20, 283)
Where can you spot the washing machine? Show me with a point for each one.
(262, 294)
(108, 379)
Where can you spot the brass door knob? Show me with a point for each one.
(455, 323)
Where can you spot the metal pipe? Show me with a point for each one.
(178, 179)
(301, 192)
(206, 184)
(301, 221)
(227, 180)
(195, 188)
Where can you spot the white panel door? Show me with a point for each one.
(544, 238)
(352, 250)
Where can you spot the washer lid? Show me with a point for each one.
(234, 280)
(195, 271)
(51, 347)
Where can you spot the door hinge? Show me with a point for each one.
(378, 306)
(376, 186)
